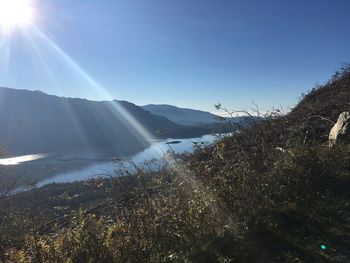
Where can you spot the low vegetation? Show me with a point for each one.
(275, 192)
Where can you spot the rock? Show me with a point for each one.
(341, 130)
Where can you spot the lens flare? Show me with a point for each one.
(15, 13)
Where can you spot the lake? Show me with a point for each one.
(93, 169)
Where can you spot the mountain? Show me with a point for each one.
(204, 119)
(35, 122)
(274, 189)
(182, 116)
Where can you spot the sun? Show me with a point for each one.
(15, 13)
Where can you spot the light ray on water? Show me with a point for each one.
(22, 159)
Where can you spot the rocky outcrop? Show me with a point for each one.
(341, 130)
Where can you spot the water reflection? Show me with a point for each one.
(157, 150)
(22, 159)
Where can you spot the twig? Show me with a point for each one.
(321, 117)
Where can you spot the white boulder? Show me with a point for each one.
(341, 130)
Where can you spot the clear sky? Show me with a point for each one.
(189, 53)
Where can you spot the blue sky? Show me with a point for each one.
(189, 53)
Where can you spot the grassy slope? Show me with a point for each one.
(240, 200)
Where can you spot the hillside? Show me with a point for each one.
(34, 122)
(182, 115)
(274, 192)
(201, 119)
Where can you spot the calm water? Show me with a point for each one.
(156, 151)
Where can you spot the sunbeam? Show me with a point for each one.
(5, 54)
(40, 42)
(44, 49)
(128, 118)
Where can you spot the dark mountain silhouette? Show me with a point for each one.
(182, 116)
(34, 122)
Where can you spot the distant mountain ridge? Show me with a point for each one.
(35, 122)
(204, 119)
(183, 116)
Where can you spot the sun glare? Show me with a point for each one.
(15, 13)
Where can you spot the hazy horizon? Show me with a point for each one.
(111, 99)
(189, 54)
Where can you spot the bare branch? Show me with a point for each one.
(322, 118)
